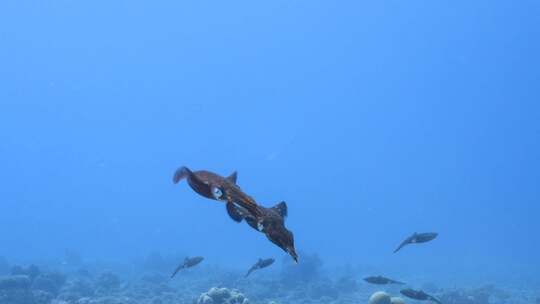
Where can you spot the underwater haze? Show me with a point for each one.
(372, 120)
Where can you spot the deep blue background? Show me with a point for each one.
(372, 119)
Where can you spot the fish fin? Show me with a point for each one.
(181, 173)
(233, 212)
(282, 209)
(249, 272)
(232, 178)
(177, 270)
(252, 222)
(432, 298)
(402, 245)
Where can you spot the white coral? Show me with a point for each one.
(222, 296)
(380, 297)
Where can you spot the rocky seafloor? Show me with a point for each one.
(149, 282)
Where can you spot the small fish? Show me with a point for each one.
(188, 263)
(419, 295)
(417, 238)
(380, 280)
(260, 265)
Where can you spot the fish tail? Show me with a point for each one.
(180, 174)
(177, 270)
(400, 246)
(435, 300)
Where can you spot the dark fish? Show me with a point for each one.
(188, 262)
(240, 206)
(419, 295)
(216, 187)
(260, 265)
(380, 280)
(417, 238)
(271, 222)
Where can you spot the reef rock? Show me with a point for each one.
(346, 284)
(42, 297)
(49, 282)
(31, 271)
(105, 300)
(108, 282)
(78, 288)
(16, 290)
(323, 290)
(154, 279)
(14, 282)
(222, 296)
(380, 297)
(397, 300)
(477, 296)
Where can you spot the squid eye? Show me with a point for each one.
(217, 193)
(260, 225)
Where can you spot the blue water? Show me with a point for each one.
(371, 119)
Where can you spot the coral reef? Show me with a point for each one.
(49, 282)
(42, 297)
(107, 282)
(104, 300)
(321, 290)
(14, 282)
(21, 289)
(397, 300)
(15, 289)
(31, 271)
(346, 284)
(83, 273)
(222, 296)
(496, 293)
(481, 295)
(76, 289)
(215, 285)
(154, 278)
(380, 297)
(460, 296)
